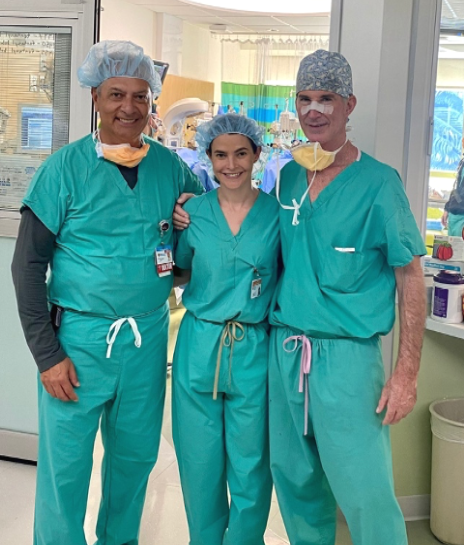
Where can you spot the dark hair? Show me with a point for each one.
(254, 147)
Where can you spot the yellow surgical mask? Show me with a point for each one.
(312, 157)
(121, 154)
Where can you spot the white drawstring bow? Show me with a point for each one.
(114, 330)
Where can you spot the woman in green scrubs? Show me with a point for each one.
(220, 422)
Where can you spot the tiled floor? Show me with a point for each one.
(163, 520)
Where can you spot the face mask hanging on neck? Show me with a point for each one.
(121, 154)
(312, 157)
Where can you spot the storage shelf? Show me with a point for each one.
(453, 330)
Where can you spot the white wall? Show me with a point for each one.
(451, 73)
(361, 43)
(201, 56)
(18, 372)
(169, 40)
(121, 20)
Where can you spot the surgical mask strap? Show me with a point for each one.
(296, 206)
(96, 138)
(317, 146)
(343, 145)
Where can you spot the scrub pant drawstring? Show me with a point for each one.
(229, 336)
(305, 369)
(114, 330)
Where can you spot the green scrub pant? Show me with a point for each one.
(127, 392)
(455, 225)
(346, 457)
(222, 442)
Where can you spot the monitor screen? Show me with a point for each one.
(161, 68)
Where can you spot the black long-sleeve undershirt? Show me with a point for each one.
(34, 251)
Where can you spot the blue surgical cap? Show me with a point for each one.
(118, 59)
(325, 71)
(227, 124)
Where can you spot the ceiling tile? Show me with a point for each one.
(207, 20)
(167, 3)
(239, 21)
(314, 29)
(306, 21)
(281, 29)
(265, 21)
(174, 8)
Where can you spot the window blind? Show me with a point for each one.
(35, 76)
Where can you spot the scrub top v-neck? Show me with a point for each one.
(223, 226)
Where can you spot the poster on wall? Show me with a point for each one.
(448, 130)
(15, 177)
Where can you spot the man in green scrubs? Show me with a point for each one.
(349, 243)
(99, 212)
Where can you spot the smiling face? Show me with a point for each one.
(329, 129)
(232, 157)
(124, 105)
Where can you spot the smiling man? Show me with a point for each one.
(349, 242)
(98, 212)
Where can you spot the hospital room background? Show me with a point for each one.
(408, 69)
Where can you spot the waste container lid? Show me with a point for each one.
(449, 410)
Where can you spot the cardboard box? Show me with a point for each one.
(433, 266)
(447, 248)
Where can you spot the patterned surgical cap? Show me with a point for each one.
(325, 71)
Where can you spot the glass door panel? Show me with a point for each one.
(447, 146)
(34, 104)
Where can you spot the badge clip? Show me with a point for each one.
(163, 226)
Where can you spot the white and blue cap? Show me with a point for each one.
(118, 59)
(227, 124)
(325, 71)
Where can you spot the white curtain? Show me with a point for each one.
(268, 59)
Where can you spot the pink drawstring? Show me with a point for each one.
(305, 369)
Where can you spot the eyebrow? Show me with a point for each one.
(119, 90)
(235, 151)
(325, 95)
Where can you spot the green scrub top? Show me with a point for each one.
(338, 278)
(224, 266)
(455, 224)
(107, 233)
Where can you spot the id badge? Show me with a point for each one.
(163, 260)
(256, 288)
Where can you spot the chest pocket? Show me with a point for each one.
(342, 271)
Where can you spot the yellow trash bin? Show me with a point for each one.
(447, 496)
